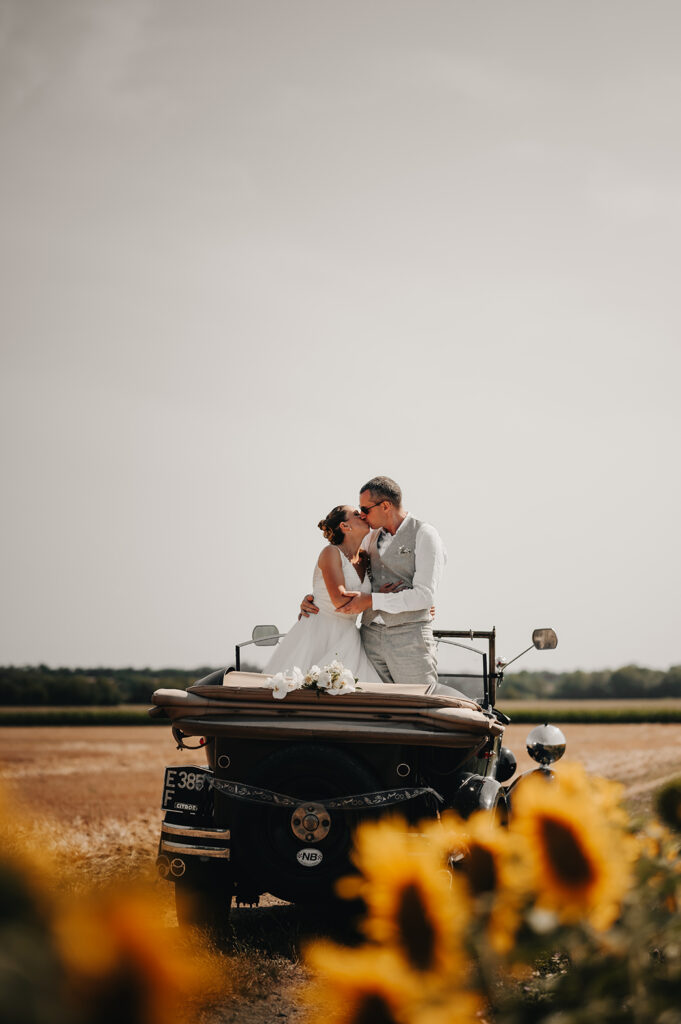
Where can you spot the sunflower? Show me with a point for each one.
(117, 958)
(603, 794)
(456, 1007)
(580, 852)
(377, 841)
(488, 855)
(493, 864)
(370, 986)
(359, 986)
(413, 904)
(100, 955)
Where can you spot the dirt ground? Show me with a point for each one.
(101, 789)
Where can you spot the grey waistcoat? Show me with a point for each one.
(396, 564)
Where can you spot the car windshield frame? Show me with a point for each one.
(454, 638)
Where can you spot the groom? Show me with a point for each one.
(407, 558)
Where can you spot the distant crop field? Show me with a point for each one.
(594, 711)
(520, 711)
(119, 714)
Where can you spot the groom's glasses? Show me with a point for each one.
(366, 509)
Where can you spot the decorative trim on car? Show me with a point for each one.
(381, 798)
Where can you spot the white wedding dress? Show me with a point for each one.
(327, 636)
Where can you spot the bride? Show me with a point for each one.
(330, 636)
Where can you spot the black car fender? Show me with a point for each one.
(543, 772)
(478, 793)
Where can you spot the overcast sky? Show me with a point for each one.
(253, 253)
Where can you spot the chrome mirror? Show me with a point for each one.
(265, 636)
(544, 639)
(546, 744)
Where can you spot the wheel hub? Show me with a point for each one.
(311, 822)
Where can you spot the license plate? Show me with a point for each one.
(186, 789)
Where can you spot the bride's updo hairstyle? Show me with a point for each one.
(330, 526)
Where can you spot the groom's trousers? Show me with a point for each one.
(402, 654)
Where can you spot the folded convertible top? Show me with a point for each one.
(257, 686)
(378, 712)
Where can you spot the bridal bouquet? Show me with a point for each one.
(333, 678)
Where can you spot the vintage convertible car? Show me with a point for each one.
(287, 781)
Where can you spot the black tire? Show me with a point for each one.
(202, 906)
(263, 842)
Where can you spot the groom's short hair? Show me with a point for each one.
(383, 488)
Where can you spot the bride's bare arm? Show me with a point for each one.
(332, 571)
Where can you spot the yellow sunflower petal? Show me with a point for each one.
(112, 947)
(582, 856)
(358, 986)
(493, 863)
(412, 903)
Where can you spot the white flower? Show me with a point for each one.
(279, 686)
(324, 678)
(344, 682)
(347, 680)
(333, 678)
(284, 682)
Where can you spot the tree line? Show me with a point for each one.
(43, 686)
(64, 687)
(628, 682)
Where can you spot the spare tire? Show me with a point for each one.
(265, 847)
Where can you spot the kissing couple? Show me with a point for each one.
(381, 562)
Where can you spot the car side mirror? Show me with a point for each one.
(544, 639)
(265, 636)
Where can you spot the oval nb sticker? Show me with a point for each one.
(309, 857)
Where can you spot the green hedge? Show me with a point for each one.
(519, 716)
(587, 715)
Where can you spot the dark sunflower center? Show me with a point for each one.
(481, 870)
(372, 1009)
(568, 859)
(416, 931)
